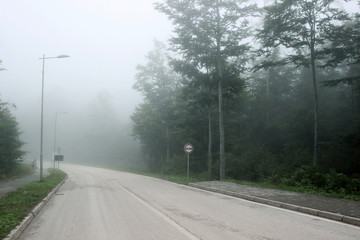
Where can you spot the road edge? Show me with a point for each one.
(16, 232)
(310, 211)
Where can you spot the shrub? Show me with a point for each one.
(254, 164)
(336, 181)
(175, 165)
(305, 176)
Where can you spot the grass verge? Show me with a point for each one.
(15, 206)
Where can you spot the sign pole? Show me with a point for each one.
(188, 148)
(188, 167)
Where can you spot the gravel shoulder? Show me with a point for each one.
(333, 205)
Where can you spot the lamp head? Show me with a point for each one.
(62, 56)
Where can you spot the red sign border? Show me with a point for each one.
(188, 145)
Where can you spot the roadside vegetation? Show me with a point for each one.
(308, 179)
(277, 104)
(10, 143)
(305, 179)
(15, 206)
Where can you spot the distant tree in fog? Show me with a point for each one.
(1, 68)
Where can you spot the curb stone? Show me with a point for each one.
(16, 232)
(310, 211)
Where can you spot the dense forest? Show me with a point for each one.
(261, 93)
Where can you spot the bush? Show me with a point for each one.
(310, 179)
(254, 164)
(175, 165)
(336, 181)
(305, 176)
(354, 186)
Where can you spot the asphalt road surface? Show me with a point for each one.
(104, 204)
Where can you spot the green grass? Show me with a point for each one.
(15, 206)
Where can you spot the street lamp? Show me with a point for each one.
(42, 111)
(55, 134)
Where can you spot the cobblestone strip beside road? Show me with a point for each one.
(343, 210)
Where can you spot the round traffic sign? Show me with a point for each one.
(188, 148)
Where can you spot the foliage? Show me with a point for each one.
(273, 183)
(10, 143)
(209, 35)
(311, 179)
(345, 51)
(303, 28)
(268, 113)
(15, 206)
(253, 164)
(344, 46)
(154, 119)
(175, 165)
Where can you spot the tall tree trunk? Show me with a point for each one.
(221, 128)
(221, 122)
(267, 104)
(316, 101)
(221, 115)
(167, 144)
(316, 109)
(210, 142)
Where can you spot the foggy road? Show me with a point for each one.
(104, 204)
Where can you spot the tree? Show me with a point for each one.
(102, 133)
(209, 34)
(148, 129)
(199, 89)
(344, 51)
(1, 68)
(300, 25)
(159, 84)
(10, 143)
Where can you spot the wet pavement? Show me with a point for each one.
(327, 204)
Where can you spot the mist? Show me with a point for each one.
(105, 41)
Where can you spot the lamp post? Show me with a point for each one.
(56, 114)
(42, 111)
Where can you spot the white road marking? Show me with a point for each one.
(161, 214)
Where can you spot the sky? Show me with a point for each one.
(105, 40)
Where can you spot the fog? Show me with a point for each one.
(105, 41)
